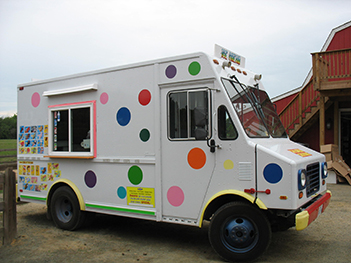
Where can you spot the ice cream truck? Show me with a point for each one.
(179, 140)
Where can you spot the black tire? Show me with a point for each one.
(239, 232)
(65, 209)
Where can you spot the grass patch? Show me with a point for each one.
(8, 144)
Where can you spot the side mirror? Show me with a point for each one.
(200, 117)
(200, 134)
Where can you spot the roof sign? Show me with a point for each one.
(226, 54)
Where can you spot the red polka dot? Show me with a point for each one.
(144, 97)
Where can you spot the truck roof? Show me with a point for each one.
(117, 68)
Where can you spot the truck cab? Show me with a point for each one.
(243, 171)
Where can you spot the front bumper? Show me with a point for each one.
(306, 217)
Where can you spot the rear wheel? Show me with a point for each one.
(239, 232)
(65, 209)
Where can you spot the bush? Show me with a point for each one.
(8, 127)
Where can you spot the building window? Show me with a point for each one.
(188, 113)
(72, 130)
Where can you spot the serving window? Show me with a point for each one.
(72, 130)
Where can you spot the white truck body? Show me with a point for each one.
(170, 140)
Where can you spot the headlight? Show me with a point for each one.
(302, 179)
(324, 170)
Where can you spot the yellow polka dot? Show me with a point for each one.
(228, 164)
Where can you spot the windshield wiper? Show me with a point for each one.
(256, 106)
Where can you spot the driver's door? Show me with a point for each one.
(187, 162)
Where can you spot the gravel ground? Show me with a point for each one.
(118, 239)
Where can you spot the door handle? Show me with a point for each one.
(212, 145)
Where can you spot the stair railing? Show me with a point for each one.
(332, 69)
(293, 114)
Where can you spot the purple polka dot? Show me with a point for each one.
(175, 196)
(104, 98)
(171, 71)
(90, 179)
(35, 99)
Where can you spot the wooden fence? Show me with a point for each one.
(8, 231)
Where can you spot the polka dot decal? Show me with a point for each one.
(121, 192)
(194, 68)
(228, 164)
(175, 196)
(35, 99)
(144, 135)
(273, 173)
(171, 71)
(104, 98)
(135, 175)
(90, 179)
(144, 97)
(196, 158)
(123, 116)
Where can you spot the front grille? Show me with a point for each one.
(312, 184)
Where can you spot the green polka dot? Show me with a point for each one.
(144, 135)
(194, 68)
(135, 175)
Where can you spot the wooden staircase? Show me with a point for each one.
(301, 112)
(331, 76)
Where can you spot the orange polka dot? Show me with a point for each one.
(196, 158)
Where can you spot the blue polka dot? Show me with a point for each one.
(123, 116)
(273, 173)
(121, 192)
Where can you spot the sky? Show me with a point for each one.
(43, 39)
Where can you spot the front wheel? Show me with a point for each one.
(65, 209)
(239, 232)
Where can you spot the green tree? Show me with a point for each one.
(8, 127)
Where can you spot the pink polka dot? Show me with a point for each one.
(104, 98)
(35, 99)
(175, 196)
(144, 97)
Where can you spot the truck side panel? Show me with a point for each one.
(121, 179)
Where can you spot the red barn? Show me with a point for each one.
(319, 112)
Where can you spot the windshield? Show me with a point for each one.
(255, 110)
